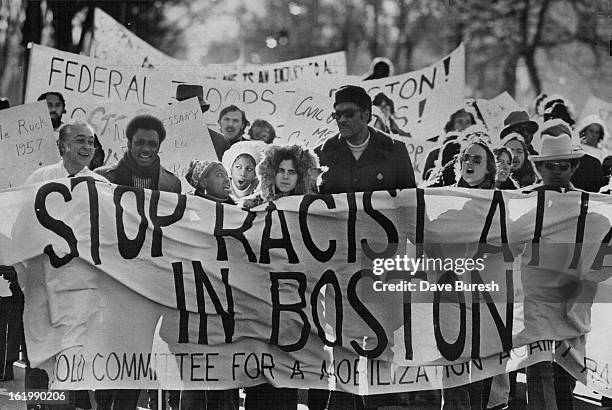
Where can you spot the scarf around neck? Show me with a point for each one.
(486, 184)
(128, 168)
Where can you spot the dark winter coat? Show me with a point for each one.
(384, 165)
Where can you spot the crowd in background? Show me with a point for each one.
(548, 150)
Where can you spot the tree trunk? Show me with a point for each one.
(12, 58)
(32, 26)
(509, 75)
(399, 44)
(375, 30)
(532, 69)
(346, 28)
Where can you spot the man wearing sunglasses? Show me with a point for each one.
(549, 289)
(557, 163)
(361, 158)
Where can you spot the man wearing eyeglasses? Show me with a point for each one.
(361, 158)
(551, 292)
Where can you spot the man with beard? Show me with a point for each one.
(519, 122)
(56, 105)
(233, 122)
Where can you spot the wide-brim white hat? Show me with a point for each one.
(559, 147)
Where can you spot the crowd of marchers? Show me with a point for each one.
(547, 151)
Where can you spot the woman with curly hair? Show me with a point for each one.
(284, 171)
(522, 169)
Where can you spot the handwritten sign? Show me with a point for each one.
(268, 102)
(85, 80)
(303, 69)
(185, 272)
(27, 141)
(495, 110)
(113, 42)
(186, 134)
(424, 100)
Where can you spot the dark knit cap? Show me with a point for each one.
(354, 94)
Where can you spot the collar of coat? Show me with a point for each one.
(379, 146)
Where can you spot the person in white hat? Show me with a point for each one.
(548, 291)
(557, 163)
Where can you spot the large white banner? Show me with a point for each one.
(115, 43)
(424, 101)
(304, 69)
(84, 80)
(27, 141)
(268, 102)
(239, 294)
(187, 136)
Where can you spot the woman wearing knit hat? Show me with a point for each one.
(240, 161)
(210, 180)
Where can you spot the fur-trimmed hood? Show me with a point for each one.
(307, 168)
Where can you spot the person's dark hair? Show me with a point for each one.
(379, 68)
(262, 124)
(230, 108)
(58, 94)
(382, 98)
(4, 103)
(558, 110)
(502, 150)
(582, 132)
(480, 140)
(99, 155)
(145, 122)
(525, 175)
(451, 122)
(541, 98)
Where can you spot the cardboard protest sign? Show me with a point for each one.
(27, 141)
(187, 137)
(309, 119)
(84, 80)
(114, 43)
(423, 99)
(494, 111)
(303, 69)
(267, 102)
(239, 293)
